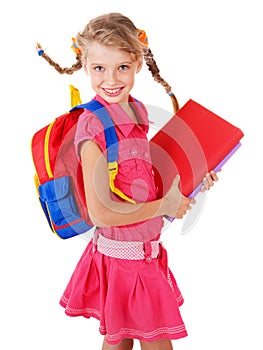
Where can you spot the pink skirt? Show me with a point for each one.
(134, 299)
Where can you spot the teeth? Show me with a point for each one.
(112, 91)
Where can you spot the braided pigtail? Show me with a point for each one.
(153, 68)
(75, 67)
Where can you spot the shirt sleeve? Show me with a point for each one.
(89, 127)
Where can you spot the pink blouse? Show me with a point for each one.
(135, 177)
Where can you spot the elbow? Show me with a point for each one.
(98, 212)
(99, 218)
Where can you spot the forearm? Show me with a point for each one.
(115, 213)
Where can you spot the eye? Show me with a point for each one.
(99, 69)
(123, 67)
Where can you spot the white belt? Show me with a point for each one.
(128, 250)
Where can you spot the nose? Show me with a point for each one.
(110, 76)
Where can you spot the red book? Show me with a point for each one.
(192, 143)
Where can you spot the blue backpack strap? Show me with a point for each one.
(111, 142)
(110, 134)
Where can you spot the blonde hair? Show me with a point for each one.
(114, 30)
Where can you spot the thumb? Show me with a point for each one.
(176, 180)
(176, 183)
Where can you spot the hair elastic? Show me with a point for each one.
(143, 37)
(39, 49)
(175, 103)
(75, 47)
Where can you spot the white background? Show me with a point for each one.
(210, 51)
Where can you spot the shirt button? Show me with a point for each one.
(146, 154)
(133, 152)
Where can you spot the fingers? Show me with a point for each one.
(185, 203)
(208, 180)
(214, 175)
(184, 207)
(192, 200)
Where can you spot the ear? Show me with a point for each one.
(86, 69)
(84, 65)
(139, 65)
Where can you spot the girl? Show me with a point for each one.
(122, 278)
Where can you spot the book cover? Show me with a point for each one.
(192, 143)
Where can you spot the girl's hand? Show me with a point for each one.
(176, 204)
(208, 180)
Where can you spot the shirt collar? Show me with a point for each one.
(121, 118)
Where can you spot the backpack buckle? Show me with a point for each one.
(113, 171)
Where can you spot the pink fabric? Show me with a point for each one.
(130, 298)
(135, 177)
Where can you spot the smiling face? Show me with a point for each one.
(112, 72)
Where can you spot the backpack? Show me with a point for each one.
(59, 179)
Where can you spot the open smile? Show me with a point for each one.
(112, 92)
